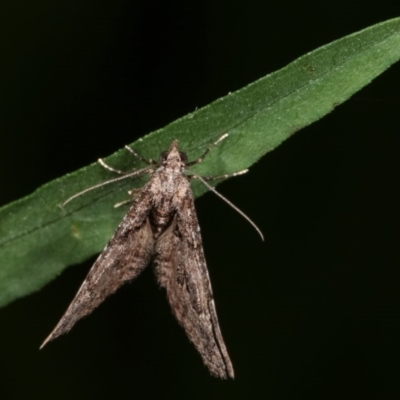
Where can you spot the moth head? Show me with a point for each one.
(173, 156)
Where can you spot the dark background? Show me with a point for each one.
(311, 313)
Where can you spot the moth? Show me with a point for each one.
(161, 228)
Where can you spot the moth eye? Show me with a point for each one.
(163, 156)
(183, 156)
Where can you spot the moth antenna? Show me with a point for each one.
(120, 178)
(230, 204)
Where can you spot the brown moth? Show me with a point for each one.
(160, 227)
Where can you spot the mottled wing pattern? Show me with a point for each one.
(180, 267)
(119, 262)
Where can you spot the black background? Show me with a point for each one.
(311, 313)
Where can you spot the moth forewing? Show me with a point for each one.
(161, 227)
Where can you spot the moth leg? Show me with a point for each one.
(201, 158)
(118, 171)
(217, 177)
(122, 203)
(225, 176)
(149, 161)
(109, 168)
(133, 193)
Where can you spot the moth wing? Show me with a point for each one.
(181, 269)
(127, 253)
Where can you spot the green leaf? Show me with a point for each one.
(38, 239)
